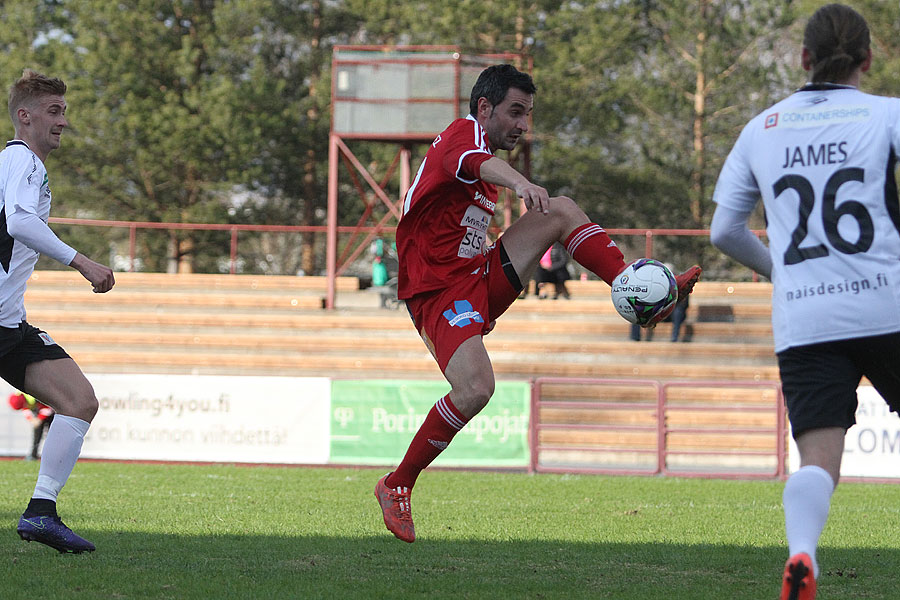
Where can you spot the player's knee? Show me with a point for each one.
(566, 210)
(475, 394)
(482, 393)
(482, 390)
(565, 205)
(89, 408)
(82, 404)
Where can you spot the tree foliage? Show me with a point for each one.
(219, 110)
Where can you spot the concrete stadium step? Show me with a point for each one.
(223, 324)
(375, 324)
(202, 282)
(309, 364)
(152, 299)
(360, 320)
(601, 306)
(564, 308)
(301, 341)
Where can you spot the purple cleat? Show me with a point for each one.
(52, 532)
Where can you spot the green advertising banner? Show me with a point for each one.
(372, 423)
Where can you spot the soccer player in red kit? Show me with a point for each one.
(454, 285)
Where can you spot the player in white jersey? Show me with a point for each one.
(823, 160)
(29, 359)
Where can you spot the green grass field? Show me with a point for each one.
(220, 531)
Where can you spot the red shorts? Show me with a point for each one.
(447, 317)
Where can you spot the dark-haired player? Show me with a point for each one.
(455, 286)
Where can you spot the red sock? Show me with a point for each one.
(593, 249)
(441, 424)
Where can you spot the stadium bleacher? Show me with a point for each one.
(264, 325)
(259, 325)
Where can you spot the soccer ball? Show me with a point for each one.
(645, 292)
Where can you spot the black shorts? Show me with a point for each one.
(19, 347)
(820, 380)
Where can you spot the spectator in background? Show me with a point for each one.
(679, 314)
(379, 272)
(636, 333)
(553, 268)
(38, 415)
(542, 275)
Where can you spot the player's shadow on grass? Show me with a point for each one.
(138, 565)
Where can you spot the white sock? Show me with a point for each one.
(807, 498)
(61, 450)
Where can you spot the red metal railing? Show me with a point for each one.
(335, 265)
(235, 229)
(537, 426)
(661, 429)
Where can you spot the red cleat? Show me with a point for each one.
(798, 582)
(687, 280)
(396, 510)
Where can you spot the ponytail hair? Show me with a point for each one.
(837, 39)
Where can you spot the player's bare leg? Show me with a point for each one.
(471, 378)
(61, 385)
(528, 238)
(824, 448)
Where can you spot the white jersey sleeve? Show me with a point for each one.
(24, 234)
(26, 227)
(26, 201)
(823, 162)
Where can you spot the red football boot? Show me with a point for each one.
(396, 510)
(798, 582)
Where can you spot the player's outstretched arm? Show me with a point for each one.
(497, 171)
(100, 276)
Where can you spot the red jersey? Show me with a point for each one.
(447, 212)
